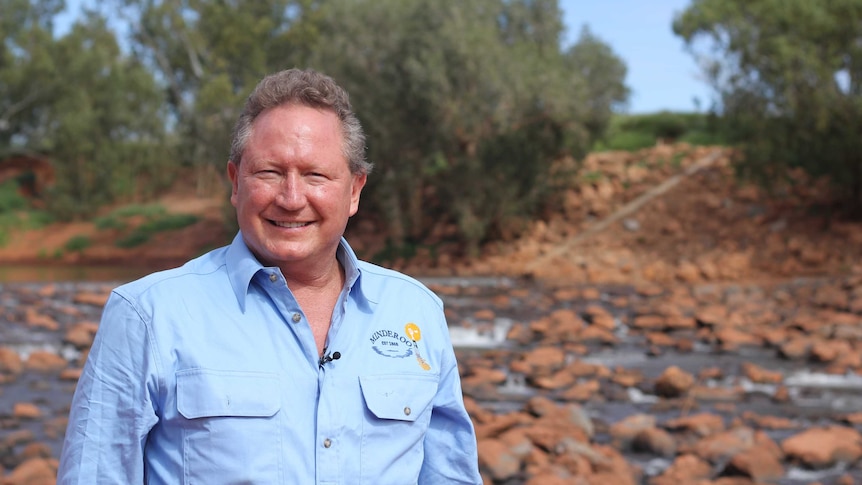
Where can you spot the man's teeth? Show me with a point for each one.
(289, 225)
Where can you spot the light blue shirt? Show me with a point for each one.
(209, 374)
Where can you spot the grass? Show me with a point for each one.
(161, 223)
(16, 214)
(634, 132)
(77, 243)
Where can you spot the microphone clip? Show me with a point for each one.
(328, 357)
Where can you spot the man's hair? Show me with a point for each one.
(307, 88)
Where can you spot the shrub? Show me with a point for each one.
(77, 243)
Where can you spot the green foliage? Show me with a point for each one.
(77, 243)
(467, 105)
(633, 132)
(625, 140)
(10, 199)
(155, 218)
(143, 210)
(789, 75)
(134, 239)
(110, 222)
(168, 222)
(96, 111)
(158, 223)
(15, 212)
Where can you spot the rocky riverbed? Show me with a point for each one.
(607, 384)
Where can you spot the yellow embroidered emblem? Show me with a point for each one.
(412, 331)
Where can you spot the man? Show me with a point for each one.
(280, 358)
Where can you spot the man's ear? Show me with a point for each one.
(233, 175)
(356, 190)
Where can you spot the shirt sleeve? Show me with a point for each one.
(451, 455)
(113, 407)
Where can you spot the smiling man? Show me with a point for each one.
(281, 358)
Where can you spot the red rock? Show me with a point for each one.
(712, 316)
(91, 298)
(518, 442)
(597, 334)
(831, 296)
(35, 319)
(795, 348)
(688, 272)
(824, 447)
(627, 377)
(18, 437)
(550, 478)
(731, 338)
(81, 334)
(36, 450)
(544, 359)
(44, 361)
(717, 394)
(829, 351)
(26, 410)
(580, 368)
(582, 391)
(685, 469)
(760, 375)
(624, 432)
(655, 441)
(673, 382)
(557, 380)
(650, 322)
(35, 471)
(484, 314)
(496, 458)
(769, 422)
(757, 463)
(723, 446)
(660, 339)
(10, 361)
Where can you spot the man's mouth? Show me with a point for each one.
(290, 225)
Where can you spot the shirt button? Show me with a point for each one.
(327, 443)
(407, 411)
(273, 277)
(296, 317)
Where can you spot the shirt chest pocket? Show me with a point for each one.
(398, 409)
(231, 418)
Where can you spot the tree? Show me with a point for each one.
(467, 105)
(208, 56)
(79, 99)
(789, 76)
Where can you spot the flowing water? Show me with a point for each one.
(815, 396)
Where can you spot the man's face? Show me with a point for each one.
(293, 190)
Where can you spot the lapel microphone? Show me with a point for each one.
(328, 357)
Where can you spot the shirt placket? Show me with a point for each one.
(329, 445)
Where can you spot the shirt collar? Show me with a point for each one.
(242, 266)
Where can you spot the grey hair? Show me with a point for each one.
(307, 88)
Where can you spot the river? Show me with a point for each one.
(815, 396)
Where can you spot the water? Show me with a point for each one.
(26, 273)
(815, 397)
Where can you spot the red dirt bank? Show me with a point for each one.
(706, 228)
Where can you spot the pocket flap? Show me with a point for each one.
(398, 396)
(209, 393)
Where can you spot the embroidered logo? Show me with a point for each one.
(390, 344)
(412, 330)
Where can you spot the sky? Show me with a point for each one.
(661, 74)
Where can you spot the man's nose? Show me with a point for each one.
(291, 193)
